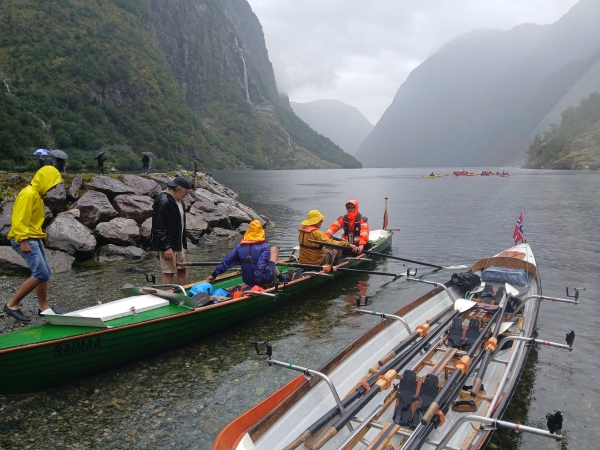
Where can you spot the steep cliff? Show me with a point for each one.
(183, 79)
(482, 97)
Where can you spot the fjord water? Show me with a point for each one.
(182, 398)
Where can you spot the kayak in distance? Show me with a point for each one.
(433, 175)
(148, 320)
(439, 373)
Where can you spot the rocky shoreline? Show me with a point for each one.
(109, 217)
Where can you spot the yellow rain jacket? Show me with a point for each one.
(28, 213)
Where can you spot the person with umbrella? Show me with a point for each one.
(146, 162)
(45, 158)
(60, 160)
(101, 158)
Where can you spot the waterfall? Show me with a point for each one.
(6, 83)
(245, 71)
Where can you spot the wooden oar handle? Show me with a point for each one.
(386, 358)
(299, 441)
(476, 387)
(197, 264)
(429, 413)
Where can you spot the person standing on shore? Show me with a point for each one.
(145, 164)
(26, 236)
(168, 232)
(101, 160)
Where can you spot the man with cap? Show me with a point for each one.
(354, 225)
(168, 232)
(311, 253)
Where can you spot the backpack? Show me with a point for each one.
(466, 281)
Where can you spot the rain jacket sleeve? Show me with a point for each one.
(228, 262)
(21, 226)
(161, 238)
(335, 227)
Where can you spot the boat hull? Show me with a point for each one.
(56, 354)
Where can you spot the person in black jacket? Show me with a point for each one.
(167, 236)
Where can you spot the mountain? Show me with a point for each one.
(482, 98)
(574, 144)
(184, 79)
(345, 125)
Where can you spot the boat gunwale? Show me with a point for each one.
(93, 333)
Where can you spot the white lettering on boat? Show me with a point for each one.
(80, 346)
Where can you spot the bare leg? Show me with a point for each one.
(28, 285)
(42, 294)
(182, 277)
(273, 258)
(167, 278)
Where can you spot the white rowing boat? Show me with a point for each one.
(441, 340)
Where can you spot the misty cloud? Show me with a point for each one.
(360, 52)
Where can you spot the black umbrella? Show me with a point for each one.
(59, 154)
(147, 154)
(99, 154)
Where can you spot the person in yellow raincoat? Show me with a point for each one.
(26, 239)
(311, 253)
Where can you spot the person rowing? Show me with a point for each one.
(255, 256)
(311, 253)
(355, 226)
(432, 174)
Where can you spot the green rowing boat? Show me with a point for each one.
(145, 321)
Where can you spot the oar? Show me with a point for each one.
(198, 264)
(416, 262)
(378, 382)
(492, 342)
(328, 268)
(329, 244)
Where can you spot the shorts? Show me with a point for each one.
(171, 266)
(36, 259)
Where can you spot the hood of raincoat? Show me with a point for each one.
(254, 233)
(313, 218)
(352, 215)
(45, 179)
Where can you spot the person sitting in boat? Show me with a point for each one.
(257, 258)
(432, 174)
(355, 226)
(311, 253)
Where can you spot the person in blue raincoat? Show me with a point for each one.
(254, 255)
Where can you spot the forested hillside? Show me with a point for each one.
(574, 144)
(184, 79)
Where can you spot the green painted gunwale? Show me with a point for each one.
(46, 355)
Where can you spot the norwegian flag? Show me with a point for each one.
(518, 234)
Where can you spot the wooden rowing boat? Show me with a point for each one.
(145, 321)
(305, 412)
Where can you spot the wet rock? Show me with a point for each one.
(109, 186)
(142, 186)
(214, 215)
(161, 180)
(195, 226)
(242, 228)
(94, 207)
(48, 216)
(188, 201)
(112, 252)
(205, 195)
(73, 192)
(145, 230)
(11, 263)
(14, 179)
(136, 207)
(118, 231)
(219, 234)
(66, 233)
(56, 199)
(5, 222)
(236, 216)
(58, 261)
(253, 214)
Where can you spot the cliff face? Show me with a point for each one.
(185, 79)
(482, 97)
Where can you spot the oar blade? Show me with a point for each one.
(459, 266)
(511, 290)
(505, 326)
(463, 305)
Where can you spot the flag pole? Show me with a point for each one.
(385, 214)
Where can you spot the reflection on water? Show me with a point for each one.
(182, 398)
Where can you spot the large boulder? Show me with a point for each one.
(161, 180)
(205, 195)
(11, 263)
(73, 192)
(214, 215)
(118, 231)
(66, 233)
(112, 252)
(253, 214)
(109, 186)
(188, 201)
(136, 207)
(94, 208)
(195, 226)
(219, 234)
(56, 199)
(48, 216)
(142, 186)
(58, 261)
(5, 221)
(145, 230)
(236, 216)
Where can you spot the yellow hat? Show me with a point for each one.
(255, 232)
(313, 218)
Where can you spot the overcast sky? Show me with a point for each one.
(361, 51)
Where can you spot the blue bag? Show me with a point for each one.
(516, 277)
(220, 293)
(201, 287)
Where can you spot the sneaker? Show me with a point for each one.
(54, 309)
(17, 314)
